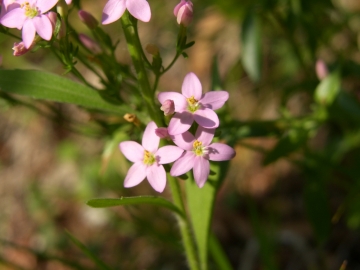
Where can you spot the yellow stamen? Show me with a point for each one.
(149, 158)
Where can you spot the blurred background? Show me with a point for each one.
(291, 199)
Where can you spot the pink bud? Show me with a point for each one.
(20, 49)
(53, 18)
(321, 69)
(184, 12)
(91, 44)
(88, 19)
(168, 107)
(162, 133)
(68, 2)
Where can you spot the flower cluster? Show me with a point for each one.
(191, 151)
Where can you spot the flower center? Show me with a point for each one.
(199, 149)
(149, 158)
(30, 12)
(193, 104)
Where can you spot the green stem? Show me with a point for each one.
(135, 49)
(184, 224)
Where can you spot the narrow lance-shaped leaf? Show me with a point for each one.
(251, 45)
(154, 200)
(42, 85)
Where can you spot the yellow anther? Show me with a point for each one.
(197, 144)
(192, 101)
(149, 158)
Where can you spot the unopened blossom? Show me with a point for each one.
(184, 12)
(198, 151)
(192, 105)
(91, 44)
(88, 19)
(20, 49)
(114, 9)
(68, 2)
(148, 159)
(321, 69)
(163, 133)
(168, 107)
(30, 16)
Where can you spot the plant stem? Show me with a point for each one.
(184, 224)
(135, 50)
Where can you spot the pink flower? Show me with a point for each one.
(193, 105)
(114, 9)
(184, 12)
(148, 159)
(198, 153)
(68, 2)
(29, 16)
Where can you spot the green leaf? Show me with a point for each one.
(99, 263)
(201, 204)
(108, 202)
(328, 89)
(43, 85)
(251, 45)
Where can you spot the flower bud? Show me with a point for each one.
(184, 12)
(20, 49)
(168, 107)
(88, 19)
(91, 44)
(321, 69)
(162, 133)
(68, 2)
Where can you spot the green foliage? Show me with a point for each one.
(42, 85)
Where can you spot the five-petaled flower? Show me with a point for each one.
(198, 153)
(29, 15)
(193, 105)
(148, 159)
(114, 9)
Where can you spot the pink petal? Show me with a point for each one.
(28, 33)
(43, 26)
(140, 9)
(168, 154)
(206, 118)
(184, 164)
(135, 175)
(156, 176)
(45, 5)
(191, 86)
(180, 123)
(14, 18)
(132, 151)
(184, 141)
(201, 171)
(178, 6)
(214, 99)
(150, 141)
(113, 10)
(220, 152)
(179, 100)
(204, 135)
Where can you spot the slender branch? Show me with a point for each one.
(135, 49)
